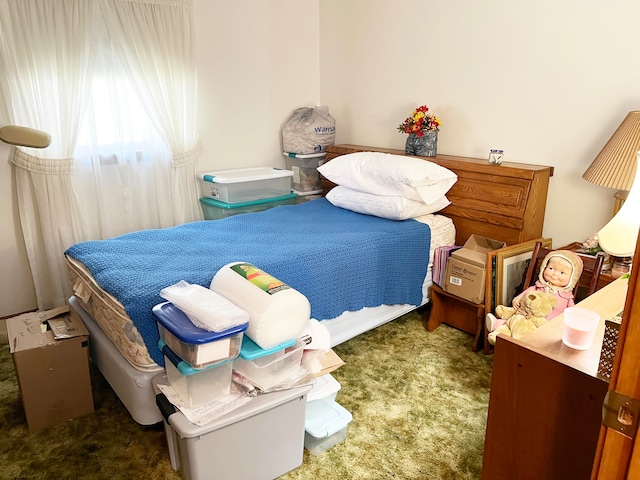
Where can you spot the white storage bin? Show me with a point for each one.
(196, 387)
(306, 177)
(260, 440)
(322, 395)
(245, 184)
(198, 347)
(326, 429)
(306, 196)
(271, 370)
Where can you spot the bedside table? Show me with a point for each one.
(456, 312)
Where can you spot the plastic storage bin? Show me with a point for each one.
(304, 167)
(196, 387)
(326, 429)
(270, 370)
(322, 395)
(198, 347)
(261, 440)
(215, 209)
(306, 196)
(245, 184)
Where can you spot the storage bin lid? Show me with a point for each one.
(218, 204)
(183, 367)
(304, 155)
(328, 422)
(323, 387)
(177, 322)
(238, 175)
(250, 350)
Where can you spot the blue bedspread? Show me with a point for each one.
(340, 260)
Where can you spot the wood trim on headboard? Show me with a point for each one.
(504, 202)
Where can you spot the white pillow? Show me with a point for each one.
(393, 207)
(388, 174)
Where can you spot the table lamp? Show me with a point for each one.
(615, 167)
(24, 136)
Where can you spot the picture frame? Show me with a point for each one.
(511, 265)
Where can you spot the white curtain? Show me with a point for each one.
(120, 159)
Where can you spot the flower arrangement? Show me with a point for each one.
(591, 246)
(420, 121)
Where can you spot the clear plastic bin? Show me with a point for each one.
(268, 371)
(245, 184)
(322, 395)
(215, 209)
(326, 429)
(196, 387)
(198, 347)
(306, 177)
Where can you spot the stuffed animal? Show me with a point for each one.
(532, 312)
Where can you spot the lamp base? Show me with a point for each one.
(619, 198)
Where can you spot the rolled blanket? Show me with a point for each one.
(206, 309)
(277, 312)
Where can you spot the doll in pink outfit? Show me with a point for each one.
(559, 273)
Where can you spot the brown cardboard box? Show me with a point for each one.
(53, 375)
(465, 275)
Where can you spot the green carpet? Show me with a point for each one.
(419, 403)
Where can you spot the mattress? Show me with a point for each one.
(110, 314)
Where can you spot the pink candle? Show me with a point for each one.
(580, 326)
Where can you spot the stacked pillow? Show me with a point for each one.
(391, 186)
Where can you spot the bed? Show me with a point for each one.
(122, 339)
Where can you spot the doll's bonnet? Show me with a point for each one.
(575, 261)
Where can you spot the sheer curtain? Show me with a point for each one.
(124, 141)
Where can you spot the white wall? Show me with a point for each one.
(546, 81)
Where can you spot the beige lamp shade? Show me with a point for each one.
(615, 165)
(24, 136)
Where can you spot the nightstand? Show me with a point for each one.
(457, 312)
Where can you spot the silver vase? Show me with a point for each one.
(425, 146)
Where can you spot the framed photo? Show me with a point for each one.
(511, 265)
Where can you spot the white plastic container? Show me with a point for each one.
(261, 440)
(306, 177)
(245, 184)
(326, 429)
(322, 395)
(196, 387)
(268, 371)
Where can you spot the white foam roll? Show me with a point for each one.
(277, 312)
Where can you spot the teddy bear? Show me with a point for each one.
(532, 312)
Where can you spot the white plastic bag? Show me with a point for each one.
(308, 130)
(205, 308)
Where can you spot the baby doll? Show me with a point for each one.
(559, 272)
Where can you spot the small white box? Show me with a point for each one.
(322, 395)
(271, 370)
(245, 184)
(196, 387)
(261, 440)
(326, 429)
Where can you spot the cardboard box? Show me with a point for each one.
(465, 275)
(53, 374)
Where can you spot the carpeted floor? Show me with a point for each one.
(419, 403)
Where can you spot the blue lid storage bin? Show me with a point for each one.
(245, 184)
(196, 387)
(213, 209)
(198, 347)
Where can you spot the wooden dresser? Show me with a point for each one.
(546, 400)
(504, 202)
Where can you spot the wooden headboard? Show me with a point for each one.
(504, 202)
